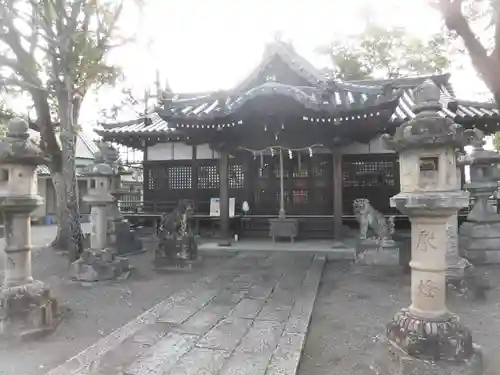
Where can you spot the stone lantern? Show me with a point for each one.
(120, 235)
(480, 234)
(26, 306)
(426, 338)
(100, 261)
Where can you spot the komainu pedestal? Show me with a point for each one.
(380, 249)
(177, 248)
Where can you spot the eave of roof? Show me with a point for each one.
(326, 97)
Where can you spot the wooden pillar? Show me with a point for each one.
(145, 172)
(194, 176)
(337, 194)
(281, 213)
(248, 177)
(225, 239)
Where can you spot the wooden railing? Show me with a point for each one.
(156, 208)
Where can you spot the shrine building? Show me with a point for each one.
(286, 138)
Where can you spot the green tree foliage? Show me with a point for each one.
(379, 52)
(496, 141)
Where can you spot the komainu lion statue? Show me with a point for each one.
(176, 239)
(369, 217)
(176, 222)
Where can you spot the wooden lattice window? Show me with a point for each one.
(300, 196)
(157, 177)
(179, 177)
(208, 177)
(285, 195)
(368, 173)
(236, 177)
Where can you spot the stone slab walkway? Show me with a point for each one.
(347, 250)
(250, 319)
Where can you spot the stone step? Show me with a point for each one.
(217, 326)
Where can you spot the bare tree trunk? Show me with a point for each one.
(68, 140)
(63, 237)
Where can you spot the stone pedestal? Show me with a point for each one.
(377, 252)
(391, 359)
(26, 306)
(120, 235)
(100, 261)
(176, 253)
(426, 338)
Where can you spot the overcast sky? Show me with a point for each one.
(201, 45)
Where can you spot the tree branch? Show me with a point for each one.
(486, 66)
(496, 11)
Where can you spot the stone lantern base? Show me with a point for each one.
(414, 346)
(392, 360)
(480, 242)
(27, 310)
(99, 265)
(426, 339)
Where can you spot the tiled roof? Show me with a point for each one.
(42, 170)
(150, 123)
(324, 97)
(329, 99)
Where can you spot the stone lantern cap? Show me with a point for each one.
(107, 154)
(479, 156)
(17, 148)
(98, 170)
(428, 129)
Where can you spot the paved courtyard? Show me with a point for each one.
(250, 317)
(235, 313)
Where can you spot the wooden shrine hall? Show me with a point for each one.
(288, 141)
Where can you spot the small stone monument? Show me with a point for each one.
(120, 234)
(100, 262)
(480, 234)
(426, 339)
(26, 306)
(177, 248)
(380, 249)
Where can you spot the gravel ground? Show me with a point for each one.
(95, 309)
(354, 304)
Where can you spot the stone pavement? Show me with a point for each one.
(251, 318)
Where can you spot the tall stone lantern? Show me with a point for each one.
(426, 338)
(480, 234)
(100, 261)
(120, 234)
(26, 306)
